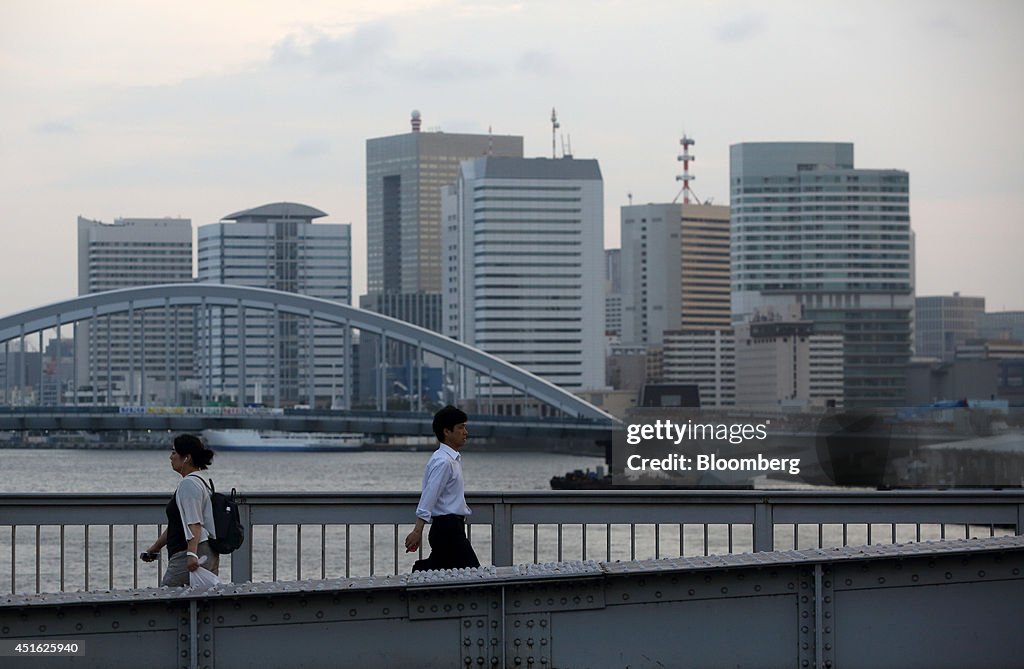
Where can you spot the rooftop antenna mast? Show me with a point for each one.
(685, 157)
(554, 127)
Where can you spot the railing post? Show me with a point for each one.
(501, 535)
(241, 560)
(764, 527)
(1020, 520)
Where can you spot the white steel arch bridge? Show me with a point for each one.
(203, 299)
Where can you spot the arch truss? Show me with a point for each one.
(215, 321)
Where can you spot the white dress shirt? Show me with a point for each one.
(444, 491)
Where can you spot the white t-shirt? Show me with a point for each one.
(193, 499)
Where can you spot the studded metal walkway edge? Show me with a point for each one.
(934, 604)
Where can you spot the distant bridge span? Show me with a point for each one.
(205, 295)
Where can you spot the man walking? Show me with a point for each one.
(443, 500)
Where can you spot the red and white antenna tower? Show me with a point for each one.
(685, 157)
(554, 127)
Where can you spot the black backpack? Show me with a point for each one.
(226, 523)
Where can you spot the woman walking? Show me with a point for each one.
(189, 515)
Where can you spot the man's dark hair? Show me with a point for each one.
(446, 419)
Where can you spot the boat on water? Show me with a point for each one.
(253, 440)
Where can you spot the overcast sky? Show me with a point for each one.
(199, 109)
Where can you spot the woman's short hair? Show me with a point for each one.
(190, 444)
(446, 419)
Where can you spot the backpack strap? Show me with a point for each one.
(207, 485)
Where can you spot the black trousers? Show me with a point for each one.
(449, 547)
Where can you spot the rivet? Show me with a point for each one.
(849, 581)
(494, 623)
(981, 573)
(114, 625)
(725, 590)
(881, 579)
(465, 623)
(352, 612)
(420, 609)
(319, 614)
(518, 623)
(757, 588)
(948, 575)
(253, 618)
(690, 592)
(625, 596)
(479, 623)
(915, 578)
(220, 619)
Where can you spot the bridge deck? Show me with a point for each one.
(934, 604)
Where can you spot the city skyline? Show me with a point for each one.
(124, 111)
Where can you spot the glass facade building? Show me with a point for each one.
(404, 177)
(809, 228)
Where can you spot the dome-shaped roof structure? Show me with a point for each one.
(276, 210)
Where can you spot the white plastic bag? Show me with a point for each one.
(201, 579)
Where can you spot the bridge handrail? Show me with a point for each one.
(724, 521)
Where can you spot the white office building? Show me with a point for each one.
(144, 357)
(286, 359)
(705, 358)
(782, 363)
(524, 262)
(809, 229)
(675, 270)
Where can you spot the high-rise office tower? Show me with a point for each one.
(675, 270)
(524, 265)
(404, 177)
(809, 228)
(941, 322)
(143, 357)
(287, 360)
(613, 293)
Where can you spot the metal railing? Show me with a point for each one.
(59, 542)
